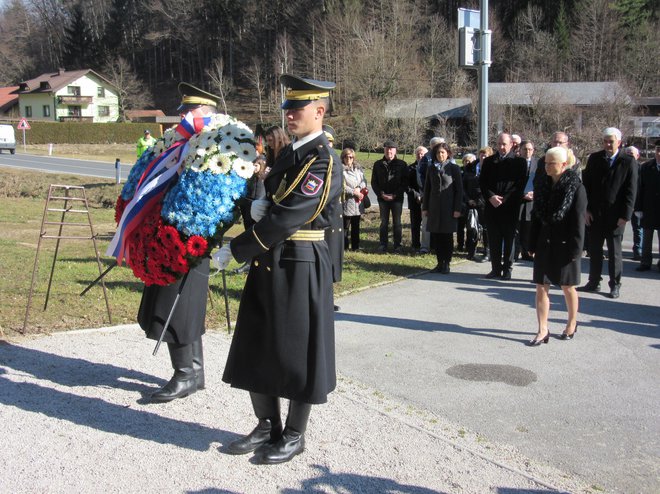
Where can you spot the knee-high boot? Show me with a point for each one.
(198, 363)
(183, 381)
(269, 428)
(292, 442)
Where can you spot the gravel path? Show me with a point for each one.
(74, 418)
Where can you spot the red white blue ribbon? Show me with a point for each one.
(154, 182)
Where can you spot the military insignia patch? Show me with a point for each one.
(311, 185)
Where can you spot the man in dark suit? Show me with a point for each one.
(389, 181)
(525, 220)
(283, 346)
(502, 181)
(610, 179)
(648, 207)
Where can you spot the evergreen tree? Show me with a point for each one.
(81, 51)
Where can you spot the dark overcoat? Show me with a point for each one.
(557, 246)
(334, 235)
(441, 201)
(611, 190)
(506, 177)
(284, 340)
(648, 195)
(187, 323)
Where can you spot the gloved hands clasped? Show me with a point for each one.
(222, 258)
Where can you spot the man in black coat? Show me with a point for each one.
(523, 246)
(648, 207)
(389, 181)
(610, 179)
(184, 333)
(283, 346)
(502, 181)
(415, 199)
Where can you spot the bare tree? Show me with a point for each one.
(131, 91)
(219, 82)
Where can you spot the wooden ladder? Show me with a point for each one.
(75, 202)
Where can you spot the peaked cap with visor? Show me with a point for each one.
(192, 97)
(300, 92)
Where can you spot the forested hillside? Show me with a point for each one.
(374, 49)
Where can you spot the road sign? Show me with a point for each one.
(23, 124)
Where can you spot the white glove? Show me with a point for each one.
(222, 258)
(259, 208)
(639, 214)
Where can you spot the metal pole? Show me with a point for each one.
(483, 75)
(224, 289)
(169, 317)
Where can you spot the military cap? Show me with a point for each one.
(329, 132)
(192, 97)
(300, 91)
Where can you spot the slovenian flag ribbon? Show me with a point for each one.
(154, 182)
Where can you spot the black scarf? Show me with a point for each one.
(552, 202)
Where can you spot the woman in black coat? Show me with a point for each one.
(442, 204)
(557, 236)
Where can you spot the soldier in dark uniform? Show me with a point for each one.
(184, 333)
(283, 346)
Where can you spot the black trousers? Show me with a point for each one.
(647, 246)
(444, 246)
(395, 208)
(613, 238)
(522, 239)
(460, 232)
(352, 231)
(415, 224)
(501, 232)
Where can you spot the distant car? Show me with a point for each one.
(7, 138)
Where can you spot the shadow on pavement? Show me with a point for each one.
(417, 325)
(95, 412)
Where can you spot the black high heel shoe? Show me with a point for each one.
(536, 342)
(565, 336)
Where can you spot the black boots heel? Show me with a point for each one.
(292, 442)
(268, 430)
(183, 382)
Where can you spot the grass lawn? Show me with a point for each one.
(22, 200)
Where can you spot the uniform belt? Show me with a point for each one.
(308, 235)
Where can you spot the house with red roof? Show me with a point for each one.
(69, 95)
(8, 102)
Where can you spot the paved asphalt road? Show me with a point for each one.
(455, 344)
(54, 164)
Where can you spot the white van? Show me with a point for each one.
(7, 138)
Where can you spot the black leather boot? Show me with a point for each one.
(269, 428)
(198, 363)
(292, 442)
(183, 381)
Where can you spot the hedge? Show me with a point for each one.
(84, 133)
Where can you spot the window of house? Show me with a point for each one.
(28, 111)
(100, 92)
(46, 110)
(73, 90)
(104, 111)
(75, 111)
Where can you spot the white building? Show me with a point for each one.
(69, 95)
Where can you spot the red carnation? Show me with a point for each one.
(168, 235)
(197, 245)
